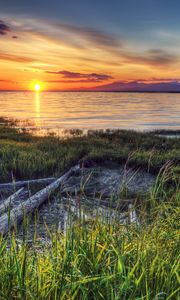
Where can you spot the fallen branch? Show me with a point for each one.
(15, 216)
(132, 215)
(121, 204)
(9, 201)
(18, 184)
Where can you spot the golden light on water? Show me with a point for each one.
(37, 108)
(37, 105)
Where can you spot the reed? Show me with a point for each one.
(97, 260)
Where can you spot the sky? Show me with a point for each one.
(90, 45)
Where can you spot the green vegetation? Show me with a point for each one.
(96, 260)
(25, 156)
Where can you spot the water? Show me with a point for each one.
(66, 110)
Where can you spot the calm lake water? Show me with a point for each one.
(66, 110)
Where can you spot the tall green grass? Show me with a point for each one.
(98, 260)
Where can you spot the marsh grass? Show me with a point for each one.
(23, 156)
(95, 259)
(99, 258)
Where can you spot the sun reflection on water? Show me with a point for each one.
(54, 110)
(37, 108)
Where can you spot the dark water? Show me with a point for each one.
(141, 111)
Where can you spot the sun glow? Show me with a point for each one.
(37, 87)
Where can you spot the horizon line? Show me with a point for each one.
(94, 91)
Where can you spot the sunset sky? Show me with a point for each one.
(97, 44)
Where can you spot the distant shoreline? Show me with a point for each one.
(98, 91)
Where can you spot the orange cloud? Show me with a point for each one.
(85, 57)
(15, 58)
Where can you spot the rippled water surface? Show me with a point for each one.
(142, 111)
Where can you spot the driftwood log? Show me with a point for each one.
(15, 216)
(121, 205)
(6, 204)
(18, 184)
(132, 215)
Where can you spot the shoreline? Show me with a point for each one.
(25, 125)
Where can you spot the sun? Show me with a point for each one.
(37, 87)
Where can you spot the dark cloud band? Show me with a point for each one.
(90, 77)
(4, 29)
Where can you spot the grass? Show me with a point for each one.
(96, 260)
(24, 156)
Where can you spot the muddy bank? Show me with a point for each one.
(95, 189)
(108, 180)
